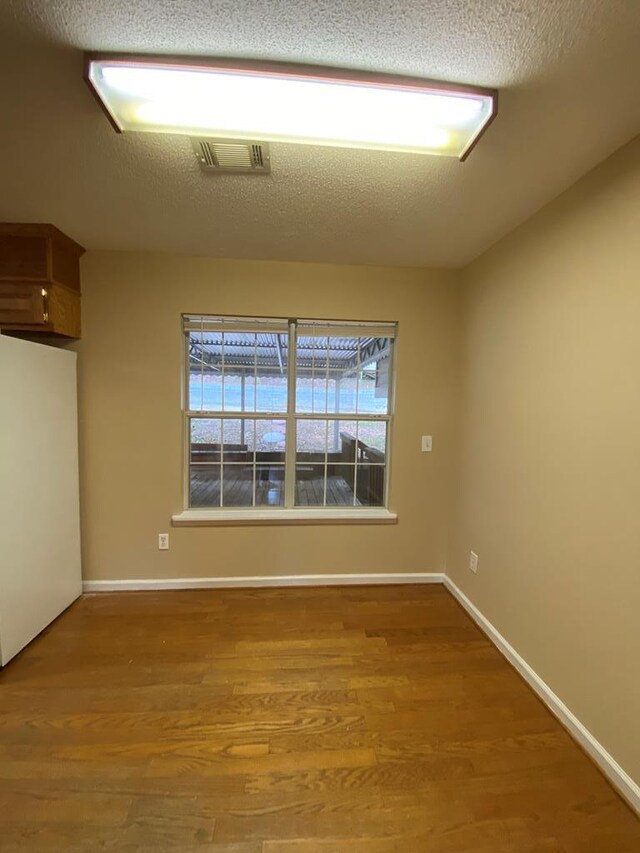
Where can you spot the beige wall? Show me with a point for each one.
(548, 489)
(131, 425)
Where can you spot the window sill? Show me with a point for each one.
(230, 517)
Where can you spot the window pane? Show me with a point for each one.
(311, 374)
(304, 373)
(204, 462)
(204, 486)
(342, 441)
(373, 376)
(343, 359)
(343, 385)
(237, 485)
(342, 374)
(205, 371)
(372, 436)
(238, 371)
(370, 484)
(237, 359)
(238, 435)
(311, 440)
(309, 485)
(269, 484)
(206, 436)
(340, 480)
(238, 388)
(272, 360)
(271, 435)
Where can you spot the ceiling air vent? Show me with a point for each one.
(231, 155)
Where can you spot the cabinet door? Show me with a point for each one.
(22, 304)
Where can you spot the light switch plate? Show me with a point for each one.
(427, 443)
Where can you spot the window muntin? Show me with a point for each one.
(266, 432)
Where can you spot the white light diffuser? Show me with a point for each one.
(283, 103)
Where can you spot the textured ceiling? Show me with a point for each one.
(567, 70)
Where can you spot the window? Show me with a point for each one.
(287, 414)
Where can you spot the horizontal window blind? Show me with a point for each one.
(198, 323)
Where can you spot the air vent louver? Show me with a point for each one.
(230, 155)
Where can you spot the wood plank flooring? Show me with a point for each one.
(355, 719)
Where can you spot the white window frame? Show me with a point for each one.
(289, 513)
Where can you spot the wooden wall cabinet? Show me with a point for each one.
(39, 280)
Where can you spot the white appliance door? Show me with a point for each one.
(40, 573)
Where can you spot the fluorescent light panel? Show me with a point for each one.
(290, 104)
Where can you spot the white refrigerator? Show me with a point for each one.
(40, 573)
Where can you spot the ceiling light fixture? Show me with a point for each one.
(278, 102)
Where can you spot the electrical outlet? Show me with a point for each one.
(473, 562)
(163, 541)
(427, 443)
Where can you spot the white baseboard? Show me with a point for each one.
(629, 789)
(261, 581)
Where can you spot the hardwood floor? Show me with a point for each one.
(355, 719)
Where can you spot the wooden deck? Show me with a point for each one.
(238, 490)
(333, 720)
(310, 492)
